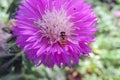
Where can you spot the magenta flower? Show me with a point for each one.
(117, 14)
(55, 32)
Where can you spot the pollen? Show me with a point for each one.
(53, 23)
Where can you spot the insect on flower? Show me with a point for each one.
(55, 32)
(63, 39)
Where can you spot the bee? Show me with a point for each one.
(63, 39)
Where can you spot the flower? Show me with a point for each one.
(11, 24)
(117, 14)
(55, 32)
(3, 37)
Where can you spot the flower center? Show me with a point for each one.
(55, 25)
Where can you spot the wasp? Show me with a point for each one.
(63, 40)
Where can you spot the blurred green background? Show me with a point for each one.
(103, 63)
